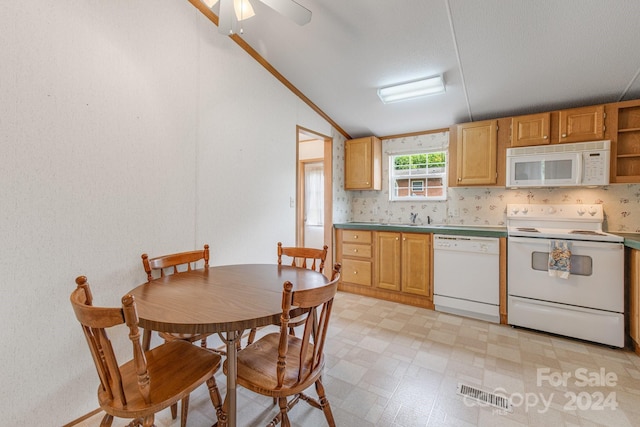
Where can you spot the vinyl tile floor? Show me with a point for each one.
(394, 365)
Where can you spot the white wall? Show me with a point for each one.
(122, 123)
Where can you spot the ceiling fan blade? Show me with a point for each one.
(226, 17)
(292, 10)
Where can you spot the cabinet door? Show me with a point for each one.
(634, 296)
(582, 124)
(529, 130)
(476, 151)
(416, 264)
(363, 164)
(388, 260)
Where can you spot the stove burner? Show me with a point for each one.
(528, 229)
(586, 232)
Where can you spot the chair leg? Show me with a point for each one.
(324, 403)
(148, 421)
(146, 339)
(174, 411)
(283, 412)
(252, 335)
(203, 342)
(214, 394)
(107, 420)
(184, 411)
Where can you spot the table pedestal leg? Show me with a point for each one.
(232, 369)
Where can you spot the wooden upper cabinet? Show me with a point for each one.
(363, 164)
(625, 150)
(476, 153)
(581, 124)
(532, 129)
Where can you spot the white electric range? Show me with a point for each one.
(587, 302)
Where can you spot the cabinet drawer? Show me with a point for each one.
(356, 236)
(355, 271)
(355, 250)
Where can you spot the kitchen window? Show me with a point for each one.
(418, 176)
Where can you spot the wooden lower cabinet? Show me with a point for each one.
(387, 260)
(633, 259)
(400, 263)
(355, 252)
(416, 264)
(356, 271)
(403, 262)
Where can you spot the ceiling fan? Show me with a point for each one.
(233, 11)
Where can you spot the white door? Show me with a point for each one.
(314, 205)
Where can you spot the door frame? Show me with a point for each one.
(302, 134)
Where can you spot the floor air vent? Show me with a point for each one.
(484, 397)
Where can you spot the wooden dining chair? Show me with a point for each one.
(283, 366)
(152, 380)
(172, 264)
(310, 258)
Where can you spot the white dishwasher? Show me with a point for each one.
(466, 276)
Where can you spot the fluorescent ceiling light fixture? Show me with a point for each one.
(411, 90)
(242, 8)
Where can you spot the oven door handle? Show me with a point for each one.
(574, 243)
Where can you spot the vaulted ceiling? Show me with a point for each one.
(498, 57)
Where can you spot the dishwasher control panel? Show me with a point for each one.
(488, 245)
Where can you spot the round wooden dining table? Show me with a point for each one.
(224, 299)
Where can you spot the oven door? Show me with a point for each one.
(595, 281)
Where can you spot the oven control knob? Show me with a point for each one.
(581, 211)
(515, 210)
(551, 210)
(592, 210)
(525, 210)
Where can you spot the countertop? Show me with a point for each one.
(461, 229)
(631, 240)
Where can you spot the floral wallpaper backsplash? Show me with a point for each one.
(482, 206)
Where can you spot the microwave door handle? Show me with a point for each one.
(579, 177)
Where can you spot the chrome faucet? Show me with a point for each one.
(413, 216)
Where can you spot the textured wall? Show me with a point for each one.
(121, 123)
(487, 205)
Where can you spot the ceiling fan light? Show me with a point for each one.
(410, 90)
(243, 9)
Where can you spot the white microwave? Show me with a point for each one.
(559, 165)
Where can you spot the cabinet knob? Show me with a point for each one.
(355, 272)
(459, 179)
(355, 251)
(545, 137)
(564, 135)
(355, 237)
